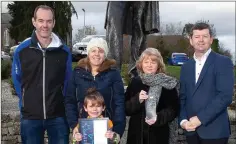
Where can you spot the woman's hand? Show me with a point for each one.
(151, 121)
(142, 96)
(76, 135)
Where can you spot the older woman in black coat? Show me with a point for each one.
(151, 102)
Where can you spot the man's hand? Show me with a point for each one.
(188, 126)
(195, 121)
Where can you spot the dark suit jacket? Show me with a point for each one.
(209, 98)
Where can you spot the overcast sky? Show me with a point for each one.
(221, 14)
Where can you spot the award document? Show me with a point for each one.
(93, 130)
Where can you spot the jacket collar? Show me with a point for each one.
(209, 61)
(107, 64)
(55, 43)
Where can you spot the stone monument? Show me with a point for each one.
(135, 18)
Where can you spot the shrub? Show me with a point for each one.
(124, 74)
(6, 69)
(13, 91)
(74, 64)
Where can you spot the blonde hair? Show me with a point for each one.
(155, 55)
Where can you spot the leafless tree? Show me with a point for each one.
(171, 28)
(89, 30)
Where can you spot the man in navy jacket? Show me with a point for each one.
(206, 91)
(40, 70)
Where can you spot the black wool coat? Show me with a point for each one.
(139, 131)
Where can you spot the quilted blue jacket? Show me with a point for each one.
(108, 82)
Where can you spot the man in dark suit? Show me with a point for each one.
(206, 91)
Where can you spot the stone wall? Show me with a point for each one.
(10, 130)
(10, 121)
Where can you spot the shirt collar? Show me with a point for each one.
(56, 42)
(204, 57)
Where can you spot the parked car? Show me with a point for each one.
(5, 56)
(178, 59)
(79, 49)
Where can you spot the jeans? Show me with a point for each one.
(32, 131)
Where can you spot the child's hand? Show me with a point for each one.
(113, 136)
(76, 135)
(109, 134)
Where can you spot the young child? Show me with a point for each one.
(94, 105)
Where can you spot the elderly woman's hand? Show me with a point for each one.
(142, 96)
(151, 121)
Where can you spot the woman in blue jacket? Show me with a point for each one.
(96, 71)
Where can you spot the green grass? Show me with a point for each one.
(173, 71)
(74, 64)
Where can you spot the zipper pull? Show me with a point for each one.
(44, 53)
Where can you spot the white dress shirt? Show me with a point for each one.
(199, 63)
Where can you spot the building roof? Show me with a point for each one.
(5, 18)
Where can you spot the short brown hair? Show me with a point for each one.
(201, 26)
(94, 96)
(45, 7)
(155, 56)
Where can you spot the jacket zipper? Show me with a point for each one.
(44, 105)
(94, 78)
(23, 93)
(44, 61)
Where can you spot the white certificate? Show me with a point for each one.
(93, 130)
